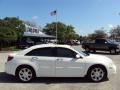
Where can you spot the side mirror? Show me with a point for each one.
(78, 56)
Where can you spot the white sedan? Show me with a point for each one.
(50, 60)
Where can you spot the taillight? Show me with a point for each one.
(10, 58)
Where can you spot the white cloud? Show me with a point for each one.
(35, 17)
(110, 26)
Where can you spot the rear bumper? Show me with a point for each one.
(10, 68)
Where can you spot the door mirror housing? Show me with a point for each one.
(77, 56)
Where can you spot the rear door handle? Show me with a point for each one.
(59, 59)
(34, 58)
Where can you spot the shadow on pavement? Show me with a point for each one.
(5, 78)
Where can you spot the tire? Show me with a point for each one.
(113, 51)
(97, 74)
(87, 49)
(94, 51)
(25, 73)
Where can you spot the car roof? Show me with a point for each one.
(42, 46)
(50, 45)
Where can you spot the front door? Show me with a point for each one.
(67, 65)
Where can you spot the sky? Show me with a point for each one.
(85, 15)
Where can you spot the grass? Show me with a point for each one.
(12, 48)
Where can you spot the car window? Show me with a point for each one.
(64, 52)
(41, 52)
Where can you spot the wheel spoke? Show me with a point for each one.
(97, 74)
(25, 74)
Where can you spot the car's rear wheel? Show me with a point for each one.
(25, 74)
(97, 74)
(94, 51)
(112, 51)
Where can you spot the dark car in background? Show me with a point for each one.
(102, 45)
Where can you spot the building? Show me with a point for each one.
(34, 36)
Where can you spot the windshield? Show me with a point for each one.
(83, 53)
(110, 41)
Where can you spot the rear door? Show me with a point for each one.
(45, 61)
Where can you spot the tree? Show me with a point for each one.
(83, 39)
(77, 37)
(115, 32)
(15, 24)
(7, 34)
(11, 30)
(64, 32)
(97, 34)
(70, 33)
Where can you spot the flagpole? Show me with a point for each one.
(56, 28)
(54, 13)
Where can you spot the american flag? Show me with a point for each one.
(53, 13)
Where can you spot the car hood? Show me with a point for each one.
(98, 59)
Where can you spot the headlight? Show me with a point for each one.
(111, 65)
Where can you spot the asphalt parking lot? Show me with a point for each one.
(8, 82)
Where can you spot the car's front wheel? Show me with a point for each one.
(25, 74)
(97, 74)
(87, 49)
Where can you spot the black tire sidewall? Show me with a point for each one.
(89, 74)
(33, 74)
(114, 51)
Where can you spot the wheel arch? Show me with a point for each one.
(25, 65)
(112, 48)
(96, 65)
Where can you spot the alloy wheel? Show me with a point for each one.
(25, 74)
(97, 74)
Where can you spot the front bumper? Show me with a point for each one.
(112, 71)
